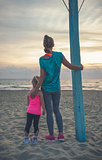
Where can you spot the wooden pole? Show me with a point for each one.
(76, 75)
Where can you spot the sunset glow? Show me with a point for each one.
(23, 25)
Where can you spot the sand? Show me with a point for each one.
(12, 122)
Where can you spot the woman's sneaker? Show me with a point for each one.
(35, 139)
(26, 139)
(61, 137)
(50, 138)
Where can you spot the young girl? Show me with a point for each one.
(34, 112)
(50, 67)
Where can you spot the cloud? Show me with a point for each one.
(23, 24)
(18, 73)
(34, 16)
(92, 49)
(12, 72)
(21, 18)
(90, 16)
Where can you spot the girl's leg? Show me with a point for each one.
(49, 111)
(28, 123)
(35, 124)
(56, 101)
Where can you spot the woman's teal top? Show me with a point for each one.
(52, 68)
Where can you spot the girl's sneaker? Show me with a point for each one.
(50, 138)
(61, 137)
(26, 139)
(35, 139)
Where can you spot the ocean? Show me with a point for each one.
(25, 84)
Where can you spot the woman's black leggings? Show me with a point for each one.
(52, 100)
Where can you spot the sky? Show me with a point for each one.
(23, 24)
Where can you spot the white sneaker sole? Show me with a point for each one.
(50, 140)
(61, 140)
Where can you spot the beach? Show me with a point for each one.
(13, 107)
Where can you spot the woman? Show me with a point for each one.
(50, 65)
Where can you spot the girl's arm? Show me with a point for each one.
(28, 100)
(42, 76)
(42, 102)
(71, 66)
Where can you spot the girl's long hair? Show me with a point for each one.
(35, 81)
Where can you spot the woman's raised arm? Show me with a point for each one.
(71, 66)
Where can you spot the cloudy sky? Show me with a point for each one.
(23, 24)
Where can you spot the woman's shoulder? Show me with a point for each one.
(42, 57)
(54, 54)
(57, 53)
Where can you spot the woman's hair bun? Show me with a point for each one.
(46, 36)
(48, 43)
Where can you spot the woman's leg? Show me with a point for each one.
(49, 110)
(36, 124)
(56, 101)
(28, 123)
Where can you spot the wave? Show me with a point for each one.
(65, 85)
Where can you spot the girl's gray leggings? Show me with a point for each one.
(52, 100)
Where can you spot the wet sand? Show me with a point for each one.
(13, 108)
